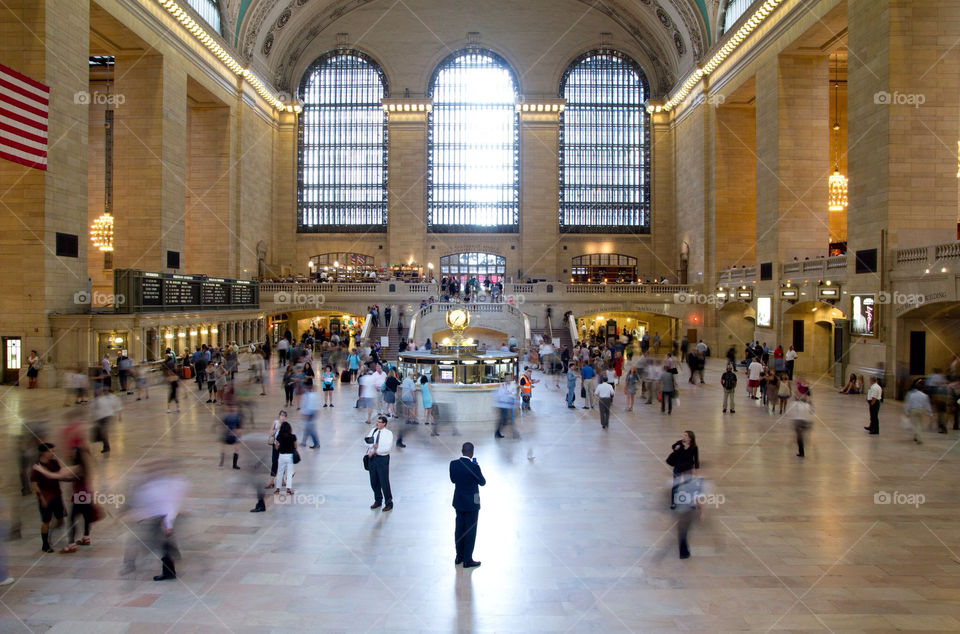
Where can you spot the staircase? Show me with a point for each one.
(388, 353)
(562, 333)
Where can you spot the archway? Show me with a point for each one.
(482, 266)
(737, 324)
(808, 327)
(926, 340)
(613, 324)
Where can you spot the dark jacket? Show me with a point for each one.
(466, 475)
(683, 459)
(728, 380)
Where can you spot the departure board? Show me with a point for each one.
(141, 291)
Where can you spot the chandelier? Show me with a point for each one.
(101, 232)
(837, 183)
(837, 186)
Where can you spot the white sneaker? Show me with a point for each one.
(7, 581)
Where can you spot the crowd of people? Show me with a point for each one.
(595, 371)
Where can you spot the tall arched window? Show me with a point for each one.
(473, 173)
(732, 12)
(342, 146)
(604, 146)
(209, 10)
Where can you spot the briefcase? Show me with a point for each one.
(366, 462)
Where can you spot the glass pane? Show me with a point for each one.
(343, 133)
(473, 173)
(603, 145)
(13, 354)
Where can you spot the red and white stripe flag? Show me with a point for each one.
(23, 119)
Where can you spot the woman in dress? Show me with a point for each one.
(630, 386)
(33, 368)
(426, 399)
(328, 378)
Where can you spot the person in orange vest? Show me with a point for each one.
(526, 388)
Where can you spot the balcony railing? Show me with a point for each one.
(928, 255)
(833, 266)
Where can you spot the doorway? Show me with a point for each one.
(12, 355)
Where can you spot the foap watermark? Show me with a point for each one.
(513, 300)
(897, 298)
(96, 298)
(716, 100)
(85, 98)
(897, 98)
(704, 299)
(899, 498)
(294, 298)
(686, 498)
(300, 499)
(115, 500)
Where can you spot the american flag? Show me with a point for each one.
(23, 119)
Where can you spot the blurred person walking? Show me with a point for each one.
(685, 459)
(917, 409)
(80, 474)
(155, 503)
(103, 408)
(506, 402)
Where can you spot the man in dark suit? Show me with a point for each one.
(466, 476)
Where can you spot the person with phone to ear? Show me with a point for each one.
(467, 478)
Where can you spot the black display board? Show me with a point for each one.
(143, 291)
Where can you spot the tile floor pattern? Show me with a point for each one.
(574, 534)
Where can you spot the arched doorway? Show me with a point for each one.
(926, 340)
(736, 327)
(808, 327)
(483, 266)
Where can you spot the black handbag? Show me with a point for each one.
(583, 392)
(296, 456)
(366, 462)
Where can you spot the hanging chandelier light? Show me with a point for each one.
(837, 186)
(101, 232)
(837, 183)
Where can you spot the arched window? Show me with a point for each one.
(604, 146)
(479, 265)
(209, 10)
(732, 12)
(603, 267)
(473, 173)
(342, 146)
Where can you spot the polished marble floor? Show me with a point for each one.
(574, 534)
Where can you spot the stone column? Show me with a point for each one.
(406, 189)
(792, 145)
(540, 253)
(149, 156)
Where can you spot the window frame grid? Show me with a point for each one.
(602, 210)
(328, 213)
(208, 9)
(463, 208)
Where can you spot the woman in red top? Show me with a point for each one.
(618, 364)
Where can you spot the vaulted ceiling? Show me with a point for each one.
(273, 36)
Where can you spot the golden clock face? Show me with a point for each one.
(457, 319)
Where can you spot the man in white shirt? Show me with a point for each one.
(874, 395)
(790, 357)
(381, 441)
(379, 378)
(368, 393)
(754, 370)
(604, 393)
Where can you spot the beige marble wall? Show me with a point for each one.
(735, 134)
(209, 227)
(45, 40)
